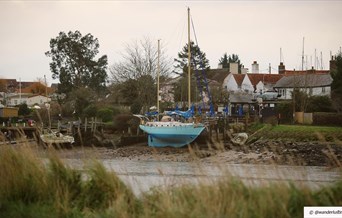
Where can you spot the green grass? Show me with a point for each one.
(300, 133)
(310, 129)
(30, 188)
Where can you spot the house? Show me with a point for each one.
(27, 98)
(251, 82)
(312, 84)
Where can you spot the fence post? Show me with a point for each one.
(85, 124)
(95, 124)
(92, 124)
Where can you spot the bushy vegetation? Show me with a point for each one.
(106, 114)
(30, 188)
(325, 119)
(312, 104)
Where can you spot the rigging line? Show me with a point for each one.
(193, 28)
(203, 72)
(183, 28)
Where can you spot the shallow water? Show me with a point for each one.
(141, 176)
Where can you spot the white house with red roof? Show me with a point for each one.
(251, 82)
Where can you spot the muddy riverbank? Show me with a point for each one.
(259, 152)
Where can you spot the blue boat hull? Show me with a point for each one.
(173, 136)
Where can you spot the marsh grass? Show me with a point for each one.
(30, 187)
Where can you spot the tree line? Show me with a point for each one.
(90, 84)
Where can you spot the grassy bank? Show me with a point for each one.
(298, 132)
(31, 188)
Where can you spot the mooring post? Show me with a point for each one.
(95, 124)
(85, 124)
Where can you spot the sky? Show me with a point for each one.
(262, 31)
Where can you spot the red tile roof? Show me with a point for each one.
(255, 78)
(239, 78)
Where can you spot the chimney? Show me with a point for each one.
(234, 68)
(244, 70)
(255, 67)
(281, 68)
(332, 64)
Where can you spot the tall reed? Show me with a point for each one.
(32, 187)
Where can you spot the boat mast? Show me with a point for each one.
(158, 72)
(189, 65)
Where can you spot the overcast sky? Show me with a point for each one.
(255, 30)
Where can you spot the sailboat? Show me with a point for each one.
(172, 133)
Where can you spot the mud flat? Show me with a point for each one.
(259, 152)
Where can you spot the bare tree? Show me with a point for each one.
(140, 59)
(134, 78)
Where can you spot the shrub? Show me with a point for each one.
(121, 122)
(286, 111)
(319, 104)
(327, 119)
(105, 114)
(90, 111)
(136, 107)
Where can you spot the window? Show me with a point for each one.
(310, 91)
(15, 102)
(323, 89)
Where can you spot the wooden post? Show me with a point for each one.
(85, 124)
(95, 125)
(92, 124)
(79, 125)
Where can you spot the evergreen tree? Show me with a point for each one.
(198, 63)
(226, 60)
(198, 59)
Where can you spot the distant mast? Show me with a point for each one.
(189, 65)
(158, 72)
(46, 98)
(19, 90)
(303, 55)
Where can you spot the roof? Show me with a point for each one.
(240, 98)
(217, 74)
(255, 78)
(10, 84)
(307, 80)
(27, 84)
(303, 72)
(239, 78)
(36, 88)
